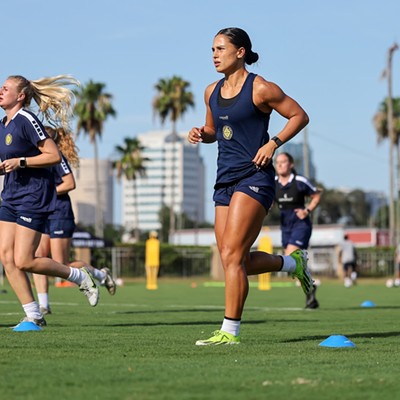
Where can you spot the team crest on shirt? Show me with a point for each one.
(227, 132)
(8, 139)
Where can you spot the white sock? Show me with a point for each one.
(32, 310)
(43, 300)
(231, 326)
(289, 264)
(76, 276)
(98, 274)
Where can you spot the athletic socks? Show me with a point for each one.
(98, 274)
(43, 300)
(76, 276)
(32, 310)
(231, 326)
(289, 264)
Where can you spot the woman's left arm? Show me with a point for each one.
(303, 213)
(313, 204)
(268, 96)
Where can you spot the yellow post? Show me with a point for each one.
(264, 280)
(152, 261)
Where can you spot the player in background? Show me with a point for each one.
(348, 258)
(29, 194)
(61, 222)
(238, 108)
(296, 226)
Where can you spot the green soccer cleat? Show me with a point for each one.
(219, 337)
(302, 272)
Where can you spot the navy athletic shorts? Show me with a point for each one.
(60, 228)
(32, 220)
(298, 235)
(259, 186)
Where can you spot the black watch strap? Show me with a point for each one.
(278, 141)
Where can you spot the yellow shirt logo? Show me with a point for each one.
(227, 132)
(8, 139)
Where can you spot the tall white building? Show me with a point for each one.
(174, 175)
(84, 197)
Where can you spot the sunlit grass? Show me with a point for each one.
(139, 344)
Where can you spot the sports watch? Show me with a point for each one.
(278, 141)
(22, 162)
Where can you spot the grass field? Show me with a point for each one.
(139, 344)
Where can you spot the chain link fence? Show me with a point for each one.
(179, 261)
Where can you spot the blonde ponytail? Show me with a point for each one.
(55, 101)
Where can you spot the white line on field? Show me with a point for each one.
(195, 307)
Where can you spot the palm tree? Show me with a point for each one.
(93, 107)
(172, 100)
(131, 165)
(393, 220)
(390, 130)
(380, 121)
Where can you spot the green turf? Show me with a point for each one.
(139, 344)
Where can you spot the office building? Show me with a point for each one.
(84, 198)
(175, 176)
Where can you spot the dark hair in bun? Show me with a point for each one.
(239, 38)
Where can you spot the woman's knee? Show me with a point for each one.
(23, 263)
(6, 254)
(230, 256)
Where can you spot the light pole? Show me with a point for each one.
(306, 155)
(392, 141)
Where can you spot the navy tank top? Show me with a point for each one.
(241, 129)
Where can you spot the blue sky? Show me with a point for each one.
(329, 56)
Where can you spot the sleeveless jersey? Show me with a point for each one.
(25, 189)
(241, 129)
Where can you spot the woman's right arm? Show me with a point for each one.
(49, 156)
(205, 133)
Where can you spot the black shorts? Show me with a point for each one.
(348, 265)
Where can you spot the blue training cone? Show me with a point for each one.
(337, 341)
(27, 326)
(368, 303)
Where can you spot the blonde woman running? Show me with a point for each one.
(29, 193)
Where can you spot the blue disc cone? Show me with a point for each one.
(368, 303)
(337, 341)
(27, 326)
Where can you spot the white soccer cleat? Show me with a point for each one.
(348, 282)
(39, 322)
(89, 288)
(389, 283)
(108, 281)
